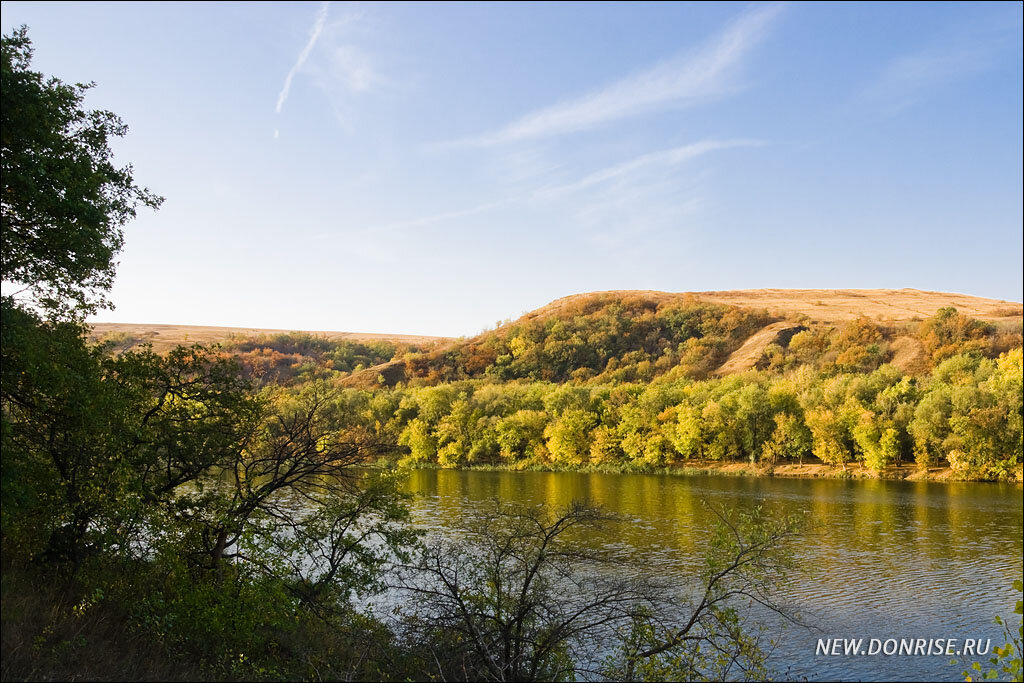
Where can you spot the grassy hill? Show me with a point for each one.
(638, 335)
(635, 335)
(825, 305)
(165, 337)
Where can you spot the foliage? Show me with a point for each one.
(296, 357)
(226, 524)
(63, 202)
(950, 332)
(965, 414)
(601, 339)
(89, 440)
(863, 345)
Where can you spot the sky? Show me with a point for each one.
(437, 168)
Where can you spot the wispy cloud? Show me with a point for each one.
(630, 187)
(443, 216)
(351, 68)
(314, 35)
(905, 80)
(344, 66)
(968, 51)
(706, 73)
(420, 221)
(638, 199)
(668, 157)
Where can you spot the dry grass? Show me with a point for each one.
(825, 305)
(165, 337)
(909, 355)
(745, 357)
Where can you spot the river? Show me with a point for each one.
(882, 559)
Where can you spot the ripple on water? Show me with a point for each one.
(883, 559)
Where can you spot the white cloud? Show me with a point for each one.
(314, 34)
(707, 73)
(668, 157)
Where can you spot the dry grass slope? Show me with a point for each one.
(824, 305)
(166, 337)
(745, 357)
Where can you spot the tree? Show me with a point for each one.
(292, 454)
(63, 201)
(91, 441)
(789, 441)
(216, 518)
(519, 599)
(950, 332)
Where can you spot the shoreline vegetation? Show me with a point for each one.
(808, 470)
(641, 382)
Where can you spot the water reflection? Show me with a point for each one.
(884, 559)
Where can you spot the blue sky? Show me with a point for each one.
(434, 168)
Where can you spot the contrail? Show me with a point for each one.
(318, 27)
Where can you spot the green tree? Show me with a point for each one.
(63, 201)
(568, 436)
(830, 434)
(790, 439)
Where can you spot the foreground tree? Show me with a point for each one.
(63, 201)
(522, 599)
(224, 523)
(91, 442)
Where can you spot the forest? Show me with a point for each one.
(628, 384)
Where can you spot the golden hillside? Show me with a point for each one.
(166, 337)
(825, 305)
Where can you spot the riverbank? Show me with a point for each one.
(821, 470)
(807, 470)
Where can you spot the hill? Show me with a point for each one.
(823, 305)
(165, 337)
(634, 335)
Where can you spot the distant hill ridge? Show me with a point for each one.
(165, 337)
(824, 305)
(820, 305)
(632, 335)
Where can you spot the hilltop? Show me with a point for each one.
(636, 335)
(821, 305)
(633, 335)
(165, 337)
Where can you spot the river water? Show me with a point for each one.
(882, 559)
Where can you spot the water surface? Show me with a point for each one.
(884, 559)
